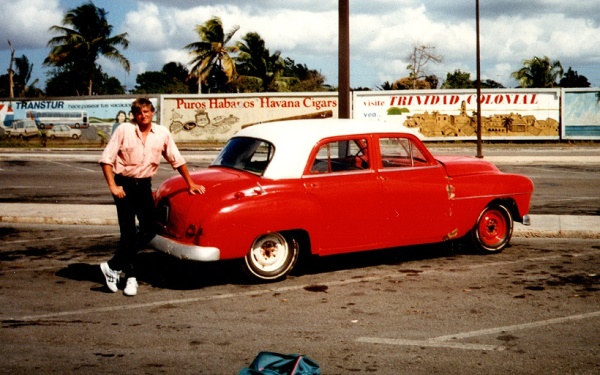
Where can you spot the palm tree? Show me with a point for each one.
(88, 38)
(23, 71)
(507, 121)
(211, 52)
(255, 60)
(539, 73)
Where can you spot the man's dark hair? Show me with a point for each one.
(139, 103)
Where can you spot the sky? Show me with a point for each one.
(382, 33)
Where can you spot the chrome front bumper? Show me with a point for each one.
(184, 251)
(526, 220)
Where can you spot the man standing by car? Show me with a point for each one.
(129, 162)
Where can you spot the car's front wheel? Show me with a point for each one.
(272, 256)
(493, 230)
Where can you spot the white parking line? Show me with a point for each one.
(73, 167)
(445, 341)
(429, 344)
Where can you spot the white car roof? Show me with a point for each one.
(295, 139)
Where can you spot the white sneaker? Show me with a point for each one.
(131, 287)
(111, 276)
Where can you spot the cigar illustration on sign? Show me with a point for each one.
(314, 115)
(203, 124)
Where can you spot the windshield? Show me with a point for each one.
(246, 154)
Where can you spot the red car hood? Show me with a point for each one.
(466, 165)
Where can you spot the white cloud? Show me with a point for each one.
(304, 31)
(26, 22)
(144, 27)
(174, 54)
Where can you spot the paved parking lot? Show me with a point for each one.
(531, 309)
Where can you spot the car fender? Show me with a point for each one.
(238, 223)
(470, 196)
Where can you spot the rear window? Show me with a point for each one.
(246, 154)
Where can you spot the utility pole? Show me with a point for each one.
(344, 59)
(479, 151)
(11, 83)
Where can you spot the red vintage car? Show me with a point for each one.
(334, 186)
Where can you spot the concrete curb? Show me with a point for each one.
(542, 226)
(560, 226)
(47, 213)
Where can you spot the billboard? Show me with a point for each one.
(581, 114)
(217, 117)
(436, 115)
(452, 114)
(95, 117)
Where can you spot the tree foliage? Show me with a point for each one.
(172, 79)
(84, 37)
(67, 81)
(572, 79)
(255, 60)
(385, 86)
(462, 80)
(260, 71)
(300, 78)
(408, 83)
(490, 84)
(539, 72)
(458, 80)
(211, 54)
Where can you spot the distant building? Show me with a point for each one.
(436, 124)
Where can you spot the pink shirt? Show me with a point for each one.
(131, 157)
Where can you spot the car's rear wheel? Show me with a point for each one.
(272, 256)
(493, 230)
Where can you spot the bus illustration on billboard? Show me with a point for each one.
(50, 119)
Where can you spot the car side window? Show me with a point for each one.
(400, 153)
(342, 156)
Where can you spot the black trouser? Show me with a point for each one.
(138, 202)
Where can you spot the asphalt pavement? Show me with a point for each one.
(549, 226)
